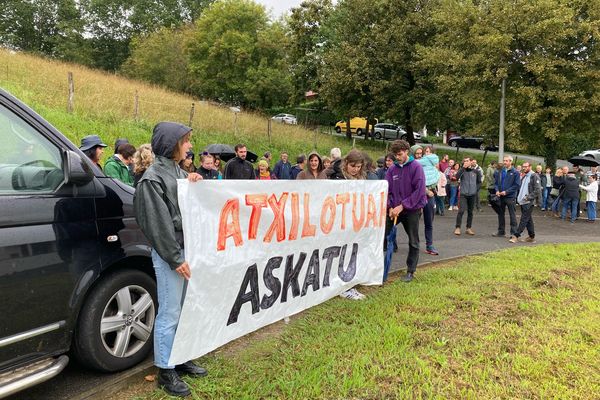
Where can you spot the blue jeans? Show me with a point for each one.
(556, 204)
(170, 288)
(545, 196)
(591, 210)
(453, 196)
(572, 204)
(439, 204)
(428, 214)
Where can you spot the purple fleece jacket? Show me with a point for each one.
(406, 186)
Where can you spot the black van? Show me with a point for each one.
(76, 275)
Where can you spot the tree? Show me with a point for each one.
(548, 52)
(305, 26)
(161, 58)
(237, 55)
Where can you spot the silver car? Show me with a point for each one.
(595, 154)
(392, 131)
(285, 118)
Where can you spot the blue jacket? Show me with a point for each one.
(511, 183)
(282, 170)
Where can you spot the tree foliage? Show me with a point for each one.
(548, 52)
(238, 56)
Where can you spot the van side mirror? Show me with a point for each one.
(78, 172)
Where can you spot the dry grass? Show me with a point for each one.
(106, 103)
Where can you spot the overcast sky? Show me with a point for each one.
(279, 7)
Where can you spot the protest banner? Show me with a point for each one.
(260, 251)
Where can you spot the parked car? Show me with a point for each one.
(386, 131)
(285, 118)
(595, 154)
(404, 136)
(474, 142)
(75, 269)
(357, 125)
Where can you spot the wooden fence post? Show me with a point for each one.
(269, 130)
(136, 106)
(192, 110)
(71, 93)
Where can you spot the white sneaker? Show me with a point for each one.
(450, 208)
(352, 294)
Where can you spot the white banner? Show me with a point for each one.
(260, 251)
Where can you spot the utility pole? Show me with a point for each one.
(501, 133)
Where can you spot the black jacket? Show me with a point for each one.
(237, 168)
(155, 200)
(208, 174)
(571, 188)
(335, 170)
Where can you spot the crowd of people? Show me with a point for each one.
(419, 183)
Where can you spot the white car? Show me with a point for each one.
(285, 118)
(595, 154)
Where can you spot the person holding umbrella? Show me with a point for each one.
(406, 199)
(239, 167)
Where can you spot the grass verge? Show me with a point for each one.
(519, 323)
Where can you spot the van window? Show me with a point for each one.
(28, 161)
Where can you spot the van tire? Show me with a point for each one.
(358, 132)
(102, 306)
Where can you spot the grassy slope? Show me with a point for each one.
(104, 105)
(522, 323)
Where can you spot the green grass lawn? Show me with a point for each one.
(522, 323)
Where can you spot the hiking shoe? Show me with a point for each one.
(529, 239)
(470, 231)
(457, 231)
(352, 294)
(408, 277)
(170, 382)
(431, 250)
(190, 369)
(498, 234)
(513, 239)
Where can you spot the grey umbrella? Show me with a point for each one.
(224, 151)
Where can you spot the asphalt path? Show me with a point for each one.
(491, 155)
(78, 383)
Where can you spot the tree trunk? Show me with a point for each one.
(348, 130)
(410, 137)
(550, 152)
(367, 132)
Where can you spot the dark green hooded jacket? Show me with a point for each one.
(155, 202)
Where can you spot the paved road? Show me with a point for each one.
(490, 155)
(77, 383)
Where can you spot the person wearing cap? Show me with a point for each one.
(93, 147)
(157, 213)
(429, 161)
(263, 173)
(188, 164)
(118, 165)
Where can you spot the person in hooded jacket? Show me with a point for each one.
(350, 167)
(429, 161)
(314, 168)
(157, 213)
(117, 166)
(571, 197)
(406, 199)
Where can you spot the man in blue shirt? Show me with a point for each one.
(508, 183)
(283, 168)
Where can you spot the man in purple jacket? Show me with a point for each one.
(406, 199)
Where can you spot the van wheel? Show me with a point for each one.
(358, 132)
(338, 129)
(114, 331)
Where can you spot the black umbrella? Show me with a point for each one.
(250, 156)
(224, 151)
(584, 161)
